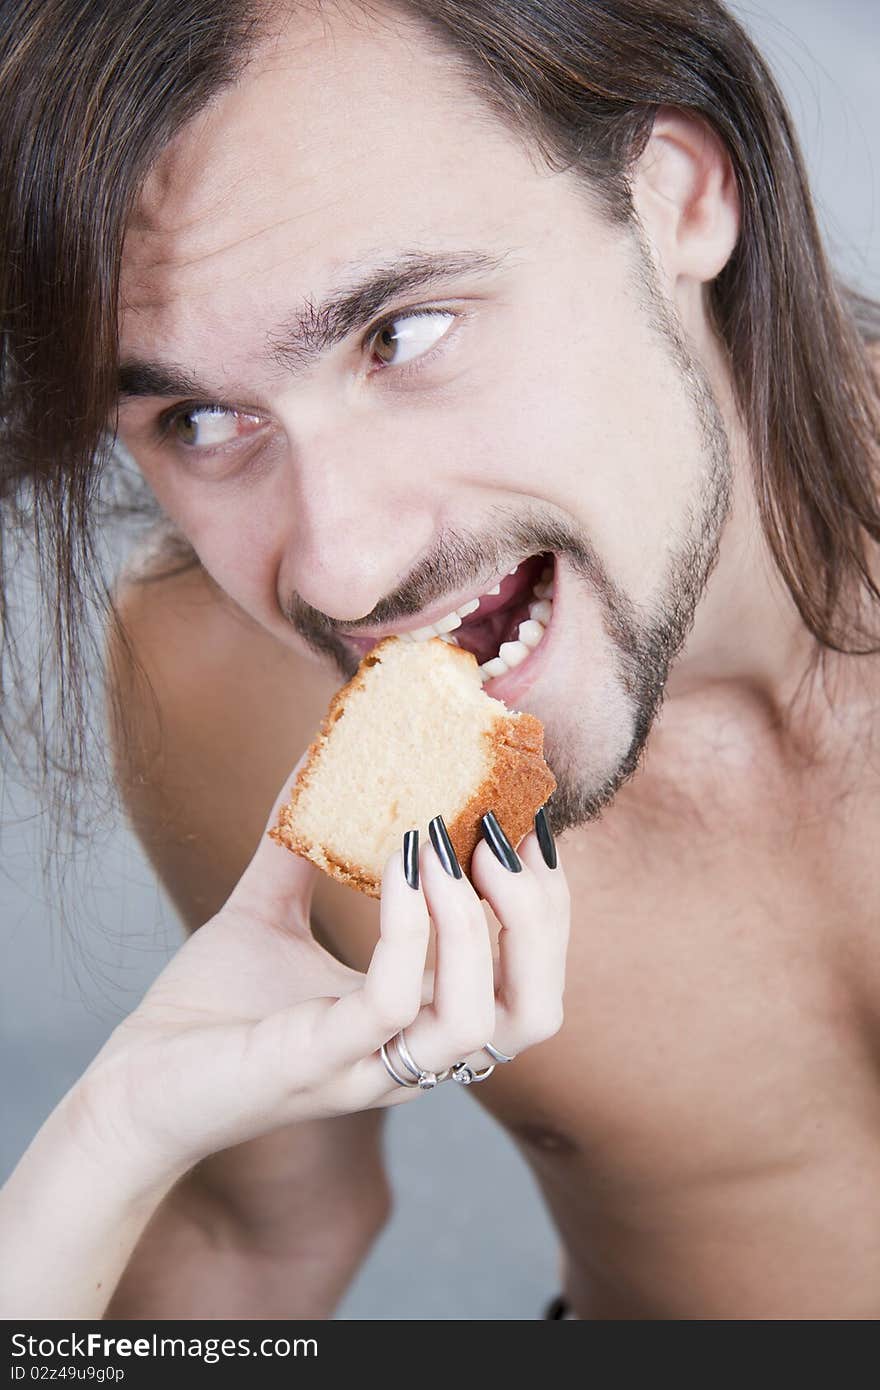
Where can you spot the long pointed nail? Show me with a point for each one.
(443, 845)
(545, 839)
(411, 857)
(499, 843)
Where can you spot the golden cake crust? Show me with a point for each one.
(517, 782)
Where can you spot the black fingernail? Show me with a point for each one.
(411, 857)
(443, 845)
(545, 839)
(499, 843)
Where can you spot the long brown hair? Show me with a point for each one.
(90, 94)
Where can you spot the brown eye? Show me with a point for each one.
(209, 426)
(386, 341)
(409, 335)
(185, 427)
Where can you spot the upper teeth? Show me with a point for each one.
(443, 625)
(510, 654)
(453, 619)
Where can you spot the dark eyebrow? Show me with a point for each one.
(316, 327)
(139, 378)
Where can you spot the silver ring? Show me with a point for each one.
(466, 1076)
(426, 1080)
(386, 1060)
(499, 1056)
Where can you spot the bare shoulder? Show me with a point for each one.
(208, 715)
(199, 653)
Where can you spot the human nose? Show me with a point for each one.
(363, 515)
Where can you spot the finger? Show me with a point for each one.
(429, 1036)
(367, 1086)
(532, 943)
(553, 880)
(461, 1015)
(391, 994)
(278, 883)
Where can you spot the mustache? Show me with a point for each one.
(460, 561)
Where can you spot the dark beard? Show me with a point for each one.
(644, 654)
(646, 651)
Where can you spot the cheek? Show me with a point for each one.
(609, 436)
(237, 532)
(241, 546)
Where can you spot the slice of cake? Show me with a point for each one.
(410, 736)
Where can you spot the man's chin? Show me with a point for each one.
(591, 756)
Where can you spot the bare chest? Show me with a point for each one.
(721, 992)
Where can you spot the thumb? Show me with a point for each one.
(278, 883)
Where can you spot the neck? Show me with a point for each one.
(747, 632)
(747, 636)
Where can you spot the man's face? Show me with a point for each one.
(372, 464)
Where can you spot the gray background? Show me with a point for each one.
(490, 1253)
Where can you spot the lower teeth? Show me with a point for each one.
(529, 634)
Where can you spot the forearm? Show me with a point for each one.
(69, 1222)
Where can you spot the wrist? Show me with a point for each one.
(97, 1121)
(71, 1214)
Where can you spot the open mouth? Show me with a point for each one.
(502, 629)
(504, 638)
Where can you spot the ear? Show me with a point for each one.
(685, 194)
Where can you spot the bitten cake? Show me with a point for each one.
(410, 736)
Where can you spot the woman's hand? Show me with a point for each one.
(253, 1025)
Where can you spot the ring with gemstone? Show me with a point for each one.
(426, 1080)
(467, 1076)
